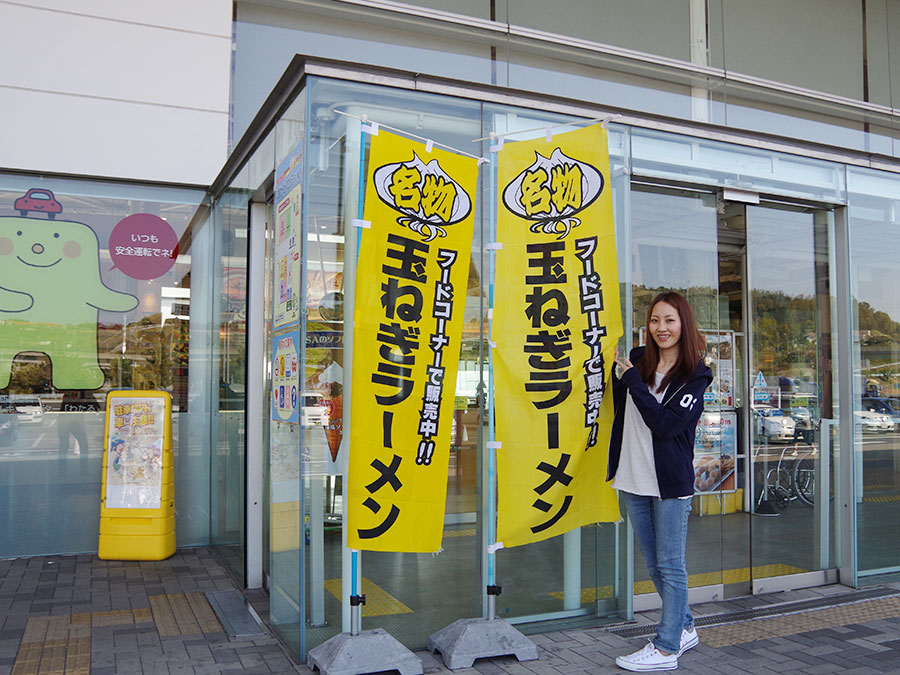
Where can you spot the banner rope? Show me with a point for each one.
(604, 121)
(428, 142)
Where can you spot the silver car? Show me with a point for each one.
(774, 425)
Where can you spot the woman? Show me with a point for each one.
(651, 463)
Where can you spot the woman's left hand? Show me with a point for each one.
(623, 362)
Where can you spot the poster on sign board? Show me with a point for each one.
(135, 440)
(286, 377)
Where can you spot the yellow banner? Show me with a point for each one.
(556, 324)
(412, 274)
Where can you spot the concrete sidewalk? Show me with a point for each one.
(81, 615)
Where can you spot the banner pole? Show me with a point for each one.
(465, 640)
(492, 453)
(356, 600)
(357, 651)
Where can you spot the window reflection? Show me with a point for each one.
(108, 308)
(876, 354)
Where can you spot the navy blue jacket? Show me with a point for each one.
(672, 422)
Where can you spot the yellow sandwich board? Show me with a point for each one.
(137, 503)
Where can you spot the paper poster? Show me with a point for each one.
(720, 353)
(413, 270)
(286, 377)
(715, 450)
(136, 434)
(288, 232)
(556, 323)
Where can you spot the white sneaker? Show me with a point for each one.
(648, 658)
(689, 639)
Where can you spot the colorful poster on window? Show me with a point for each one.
(286, 377)
(288, 188)
(720, 353)
(556, 324)
(135, 437)
(412, 275)
(715, 450)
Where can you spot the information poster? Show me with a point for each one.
(720, 350)
(286, 377)
(715, 450)
(135, 433)
(288, 199)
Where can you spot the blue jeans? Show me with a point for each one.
(660, 526)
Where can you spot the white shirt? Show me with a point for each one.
(637, 471)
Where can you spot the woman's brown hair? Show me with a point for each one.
(690, 347)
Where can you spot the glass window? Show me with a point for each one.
(613, 23)
(96, 296)
(874, 218)
(696, 160)
(814, 44)
(412, 610)
(228, 289)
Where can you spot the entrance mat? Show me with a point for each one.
(853, 607)
(234, 613)
(378, 601)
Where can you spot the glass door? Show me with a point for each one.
(790, 392)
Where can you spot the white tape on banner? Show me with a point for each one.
(549, 134)
(429, 144)
(493, 548)
(493, 445)
(356, 222)
(493, 246)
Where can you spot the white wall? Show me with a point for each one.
(126, 89)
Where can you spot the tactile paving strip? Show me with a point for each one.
(378, 601)
(459, 533)
(61, 645)
(791, 610)
(764, 629)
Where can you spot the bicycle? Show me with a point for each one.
(778, 481)
(804, 477)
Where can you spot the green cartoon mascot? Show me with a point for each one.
(50, 296)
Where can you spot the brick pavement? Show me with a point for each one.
(77, 615)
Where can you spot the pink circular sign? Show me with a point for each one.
(143, 246)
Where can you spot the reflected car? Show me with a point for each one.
(28, 409)
(38, 200)
(882, 406)
(313, 410)
(872, 421)
(774, 425)
(9, 422)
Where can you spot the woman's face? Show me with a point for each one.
(665, 326)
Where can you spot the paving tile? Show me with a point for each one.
(113, 601)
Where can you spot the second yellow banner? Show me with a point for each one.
(556, 324)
